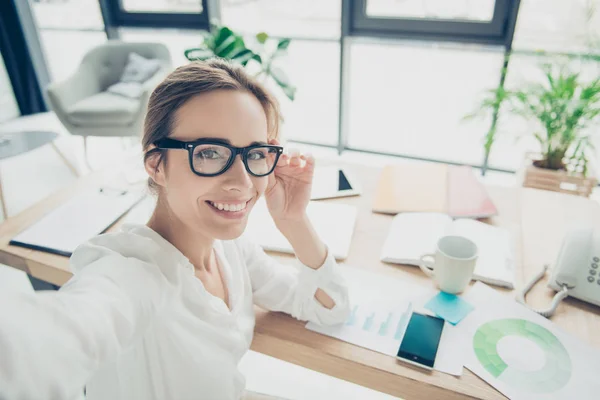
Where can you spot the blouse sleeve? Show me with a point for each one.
(51, 342)
(281, 287)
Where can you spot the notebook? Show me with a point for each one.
(467, 197)
(333, 222)
(413, 234)
(77, 221)
(441, 188)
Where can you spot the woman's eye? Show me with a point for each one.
(256, 155)
(209, 154)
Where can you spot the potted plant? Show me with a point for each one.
(562, 107)
(222, 42)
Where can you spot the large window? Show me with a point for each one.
(178, 14)
(558, 26)
(411, 99)
(449, 10)
(176, 40)
(295, 18)
(514, 136)
(411, 69)
(163, 6)
(67, 29)
(313, 66)
(547, 31)
(448, 20)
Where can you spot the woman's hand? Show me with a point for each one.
(289, 188)
(287, 195)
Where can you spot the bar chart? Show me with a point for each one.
(373, 326)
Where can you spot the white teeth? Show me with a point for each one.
(229, 207)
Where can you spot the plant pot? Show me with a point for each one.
(558, 181)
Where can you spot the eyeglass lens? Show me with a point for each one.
(212, 159)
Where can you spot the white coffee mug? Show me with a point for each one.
(453, 263)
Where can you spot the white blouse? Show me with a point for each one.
(134, 322)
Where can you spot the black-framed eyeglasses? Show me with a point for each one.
(210, 157)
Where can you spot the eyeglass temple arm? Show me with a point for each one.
(171, 144)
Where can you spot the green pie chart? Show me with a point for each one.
(553, 375)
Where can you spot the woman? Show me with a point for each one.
(165, 311)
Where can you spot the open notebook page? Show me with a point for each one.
(495, 263)
(413, 234)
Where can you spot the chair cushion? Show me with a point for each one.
(103, 109)
(132, 90)
(139, 69)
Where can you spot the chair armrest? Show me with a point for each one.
(83, 83)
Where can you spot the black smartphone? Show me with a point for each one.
(421, 340)
(331, 181)
(343, 183)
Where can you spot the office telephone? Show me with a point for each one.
(576, 272)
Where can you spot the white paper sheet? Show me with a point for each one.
(412, 235)
(325, 182)
(524, 355)
(389, 303)
(333, 222)
(78, 220)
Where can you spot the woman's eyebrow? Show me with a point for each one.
(219, 140)
(227, 141)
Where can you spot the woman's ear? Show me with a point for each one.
(155, 167)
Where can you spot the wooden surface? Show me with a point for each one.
(537, 219)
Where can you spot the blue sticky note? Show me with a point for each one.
(449, 307)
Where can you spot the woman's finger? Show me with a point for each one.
(283, 160)
(295, 161)
(310, 159)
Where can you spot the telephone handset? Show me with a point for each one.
(577, 270)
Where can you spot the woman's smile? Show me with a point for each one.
(230, 209)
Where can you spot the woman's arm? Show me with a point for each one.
(317, 291)
(308, 293)
(309, 249)
(51, 343)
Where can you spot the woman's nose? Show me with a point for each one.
(237, 176)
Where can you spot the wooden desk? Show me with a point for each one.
(538, 219)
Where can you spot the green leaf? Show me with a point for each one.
(221, 36)
(283, 44)
(280, 77)
(231, 51)
(289, 91)
(283, 81)
(262, 37)
(198, 54)
(257, 58)
(244, 56)
(226, 46)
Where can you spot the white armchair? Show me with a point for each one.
(82, 103)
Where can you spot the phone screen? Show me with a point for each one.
(421, 340)
(343, 183)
